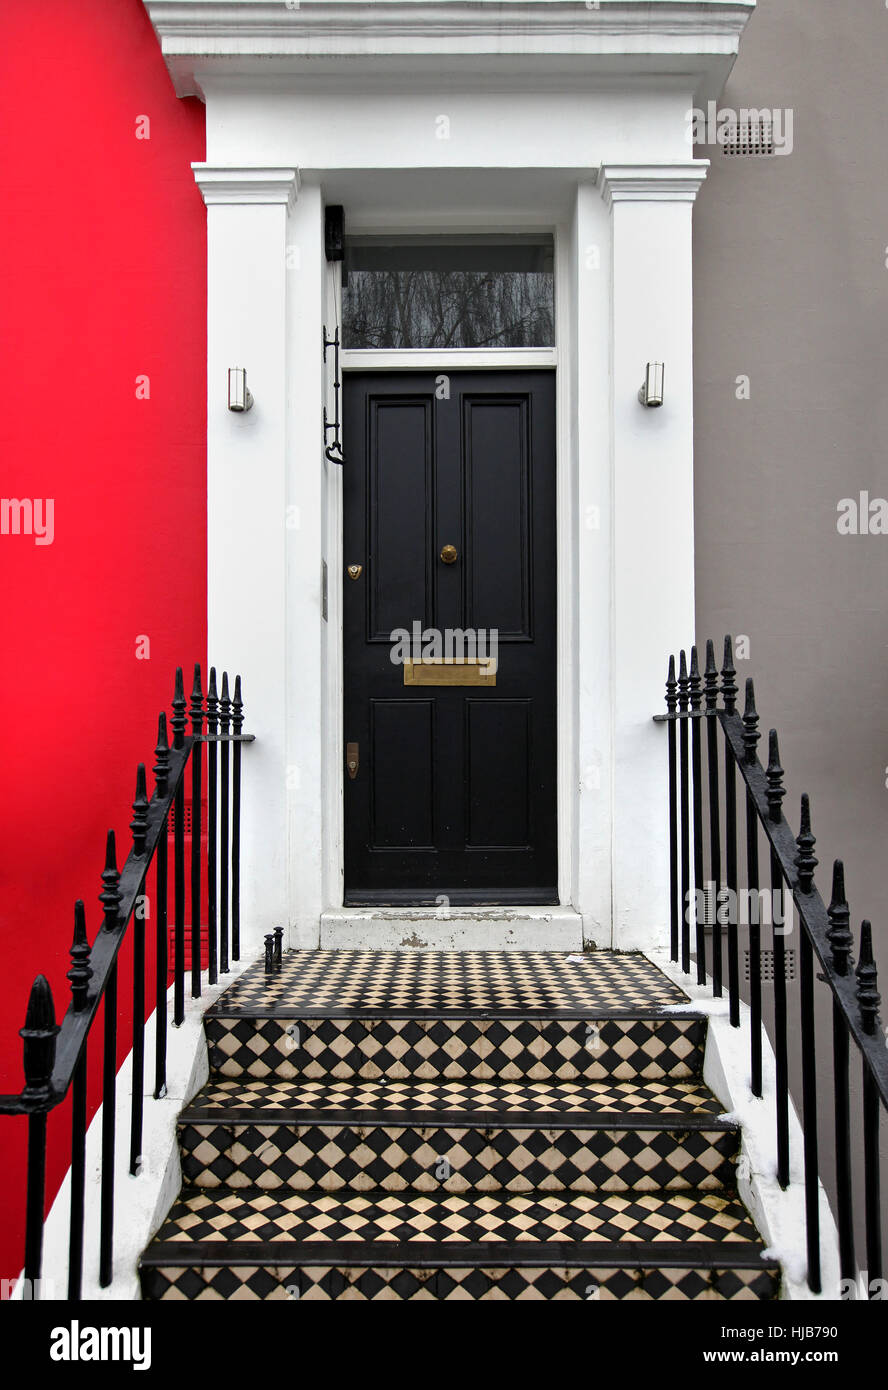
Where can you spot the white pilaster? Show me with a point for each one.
(589, 404)
(308, 715)
(653, 517)
(247, 214)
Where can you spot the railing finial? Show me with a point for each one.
(110, 894)
(212, 703)
(839, 931)
(162, 754)
(683, 682)
(671, 688)
(729, 684)
(237, 707)
(806, 862)
(179, 707)
(751, 734)
(39, 1038)
(776, 789)
(696, 681)
(710, 678)
(80, 973)
(196, 710)
(868, 996)
(139, 822)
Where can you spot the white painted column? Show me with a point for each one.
(591, 514)
(653, 517)
(307, 712)
(247, 212)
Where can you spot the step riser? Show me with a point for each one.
(455, 1158)
(428, 1049)
(468, 1284)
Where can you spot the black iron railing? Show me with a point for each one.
(704, 842)
(55, 1056)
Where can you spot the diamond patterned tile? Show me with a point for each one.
(427, 1049)
(469, 1283)
(301, 1100)
(254, 1217)
(362, 983)
(496, 1126)
(364, 1156)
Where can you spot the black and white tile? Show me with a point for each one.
(459, 1156)
(245, 1099)
(228, 1218)
(389, 983)
(455, 1049)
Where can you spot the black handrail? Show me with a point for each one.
(55, 1056)
(825, 935)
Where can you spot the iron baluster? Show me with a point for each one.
(212, 818)
(196, 712)
(683, 703)
(841, 941)
(225, 713)
(868, 998)
(161, 790)
(237, 724)
(711, 683)
(79, 975)
(755, 946)
(671, 706)
(178, 727)
(39, 1048)
(729, 695)
(775, 795)
(805, 866)
(139, 828)
(696, 689)
(110, 899)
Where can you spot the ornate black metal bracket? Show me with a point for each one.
(333, 451)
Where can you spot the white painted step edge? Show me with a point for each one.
(452, 929)
(779, 1215)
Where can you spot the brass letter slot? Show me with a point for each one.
(450, 670)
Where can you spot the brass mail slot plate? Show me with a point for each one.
(450, 670)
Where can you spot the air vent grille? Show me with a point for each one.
(768, 965)
(749, 139)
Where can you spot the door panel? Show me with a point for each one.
(498, 515)
(455, 792)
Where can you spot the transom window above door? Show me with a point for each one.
(448, 292)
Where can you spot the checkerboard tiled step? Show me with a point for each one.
(259, 1245)
(640, 1046)
(456, 1138)
(279, 1100)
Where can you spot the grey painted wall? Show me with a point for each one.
(791, 290)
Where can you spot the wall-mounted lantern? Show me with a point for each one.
(651, 391)
(239, 398)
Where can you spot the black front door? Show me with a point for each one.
(449, 510)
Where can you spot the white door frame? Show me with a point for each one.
(341, 923)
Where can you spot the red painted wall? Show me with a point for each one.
(102, 280)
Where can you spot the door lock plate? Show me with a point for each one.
(355, 571)
(352, 759)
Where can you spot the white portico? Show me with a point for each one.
(543, 116)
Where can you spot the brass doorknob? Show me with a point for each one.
(448, 554)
